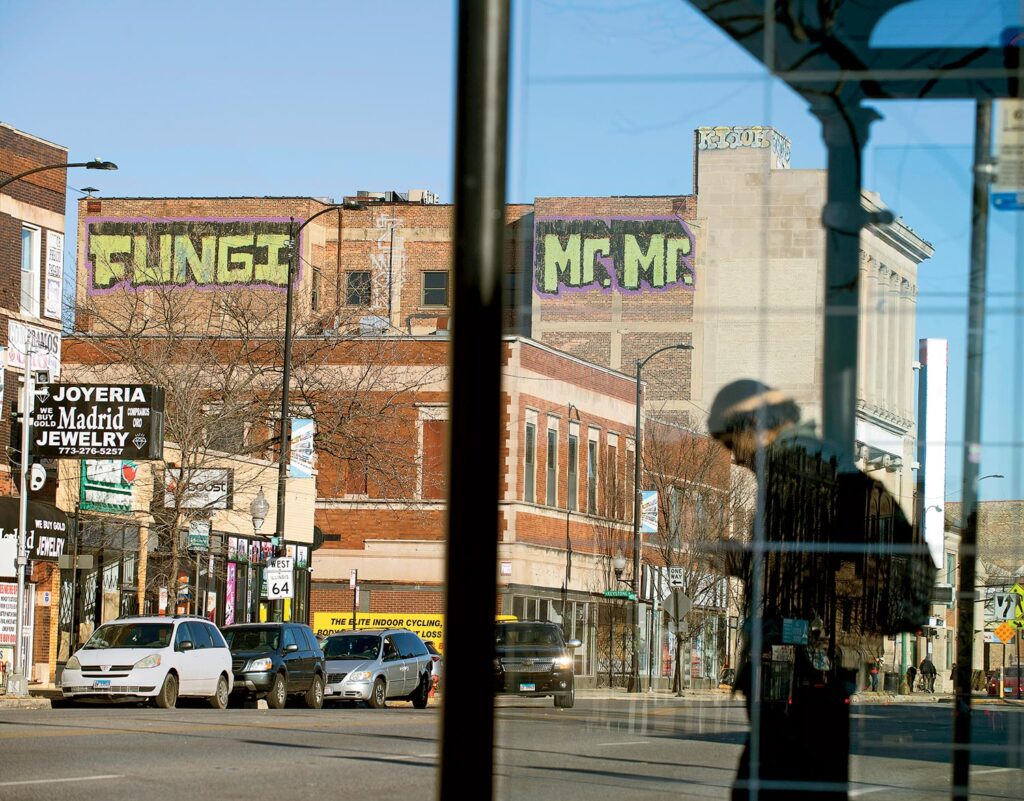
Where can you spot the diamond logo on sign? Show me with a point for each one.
(139, 441)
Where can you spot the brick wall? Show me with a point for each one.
(604, 326)
(44, 193)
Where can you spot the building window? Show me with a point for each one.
(592, 477)
(435, 288)
(435, 480)
(314, 296)
(573, 468)
(611, 495)
(357, 288)
(552, 474)
(30, 271)
(529, 473)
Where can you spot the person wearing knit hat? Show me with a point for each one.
(812, 570)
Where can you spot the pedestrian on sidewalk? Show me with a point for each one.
(874, 675)
(929, 672)
(911, 677)
(813, 527)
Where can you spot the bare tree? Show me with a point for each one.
(218, 355)
(701, 501)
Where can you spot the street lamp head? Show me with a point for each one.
(619, 563)
(99, 164)
(259, 509)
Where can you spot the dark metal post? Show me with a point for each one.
(972, 450)
(845, 125)
(634, 670)
(282, 467)
(467, 744)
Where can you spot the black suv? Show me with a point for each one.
(275, 660)
(531, 658)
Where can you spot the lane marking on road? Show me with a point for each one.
(104, 777)
(977, 772)
(628, 742)
(859, 791)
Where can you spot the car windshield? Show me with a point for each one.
(130, 635)
(1011, 673)
(525, 634)
(352, 646)
(253, 639)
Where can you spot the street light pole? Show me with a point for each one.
(95, 164)
(282, 467)
(17, 685)
(634, 679)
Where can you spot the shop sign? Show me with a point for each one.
(210, 488)
(44, 344)
(107, 485)
(96, 421)
(54, 274)
(47, 536)
(1008, 187)
(199, 535)
(8, 613)
(429, 626)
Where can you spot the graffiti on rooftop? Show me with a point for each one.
(612, 254)
(186, 253)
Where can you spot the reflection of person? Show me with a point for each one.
(874, 675)
(911, 676)
(928, 671)
(814, 519)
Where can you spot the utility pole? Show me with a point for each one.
(983, 170)
(18, 686)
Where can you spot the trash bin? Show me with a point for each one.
(892, 683)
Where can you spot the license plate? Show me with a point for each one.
(101, 683)
(528, 688)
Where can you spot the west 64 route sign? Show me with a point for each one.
(99, 421)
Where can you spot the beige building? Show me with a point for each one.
(761, 309)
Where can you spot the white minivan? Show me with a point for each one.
(159, 658)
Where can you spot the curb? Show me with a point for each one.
(24, 703)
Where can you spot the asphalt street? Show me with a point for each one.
(602, 749)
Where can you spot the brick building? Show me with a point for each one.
(734, 268)
(31, 288)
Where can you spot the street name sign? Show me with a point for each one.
(94, 421)
(620, 594)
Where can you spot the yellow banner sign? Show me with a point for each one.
(429, 625)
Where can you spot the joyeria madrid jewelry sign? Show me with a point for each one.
(91, 421)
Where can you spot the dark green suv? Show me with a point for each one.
(275, 660)
(531, 658)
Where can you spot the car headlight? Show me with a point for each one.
(153, 660)
(73, 664)
(563, 661)
(261, 664)
(359, 675)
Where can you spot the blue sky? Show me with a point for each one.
(324, 98)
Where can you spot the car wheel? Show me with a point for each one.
(219, 700)
(315, 694)
(566, 700)
(168, 696)
(422, 693)
(379, 696)
(278, 695)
